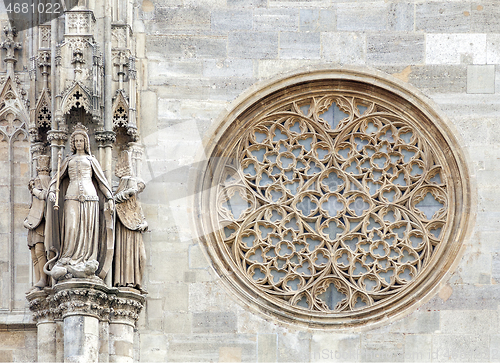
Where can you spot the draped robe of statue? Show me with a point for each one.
(82, 229)
(130, 254)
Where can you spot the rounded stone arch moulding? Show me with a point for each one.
(333, 198)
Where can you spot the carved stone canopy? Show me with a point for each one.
(335, 198)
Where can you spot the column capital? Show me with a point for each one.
(126, 307)
(43, 306)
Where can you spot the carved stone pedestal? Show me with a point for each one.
(82, 320)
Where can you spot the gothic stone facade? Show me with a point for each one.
(164, 76)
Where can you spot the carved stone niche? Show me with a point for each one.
(81, 320)
(334, 198)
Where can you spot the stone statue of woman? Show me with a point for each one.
(81, 231)
(130, 255)
(35, 221)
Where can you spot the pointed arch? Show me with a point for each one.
(13, 115)
(77, 96)
(120, 110)
(43, 110)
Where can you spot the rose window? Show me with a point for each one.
(332, 200)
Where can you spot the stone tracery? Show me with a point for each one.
(332, 203)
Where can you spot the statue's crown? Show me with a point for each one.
(80, 127)
(43, 163)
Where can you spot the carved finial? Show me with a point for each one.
(78, 60)
(121, 61)
(44, 59)
(44, 64)
(10, 46)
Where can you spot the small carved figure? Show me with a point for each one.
(130, 254)
(35, 221)
(85, 235)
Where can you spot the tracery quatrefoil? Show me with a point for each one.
(332, 203)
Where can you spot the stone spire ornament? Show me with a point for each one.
(10, 45)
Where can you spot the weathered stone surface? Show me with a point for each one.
(153, 347)
(478, 105)
(434, 79)
(382, 348)
(335, 347)
(169, 262)
(455, 48)
(443, 17)
(223, 90)
(420, 322)
(197, 258)
(474, 322)
(196, 348)
(301, 3)
(168, 47)
(6, 355)
(322, 20)
(344, 48)
(494, 348)
(485, 16)
(467, 297)
(177, 297)
(294, 45)
(161, 72)
(362, 16)
(401, 16)
(495, 268)
(492, 49)
(474, 130)
(230, 20)
(267, 347)
(211, 4)
(294, 347)
(418, 348)
(179, 18)
(269, 68)
(177, 323)
(228, 68)
(253, 45)
(383, 49)
(275, 19)
(246, 3)
(211, 297)
(460, 348)
(481, 79)
(214, 322)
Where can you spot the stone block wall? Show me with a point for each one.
(17, 346)
(197, 56)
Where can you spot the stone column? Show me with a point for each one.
(45, 314)
(83, 303)
(84, 321)
(81, 339)
(104, 341)
(124, 314)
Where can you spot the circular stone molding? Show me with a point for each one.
(334, 198)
